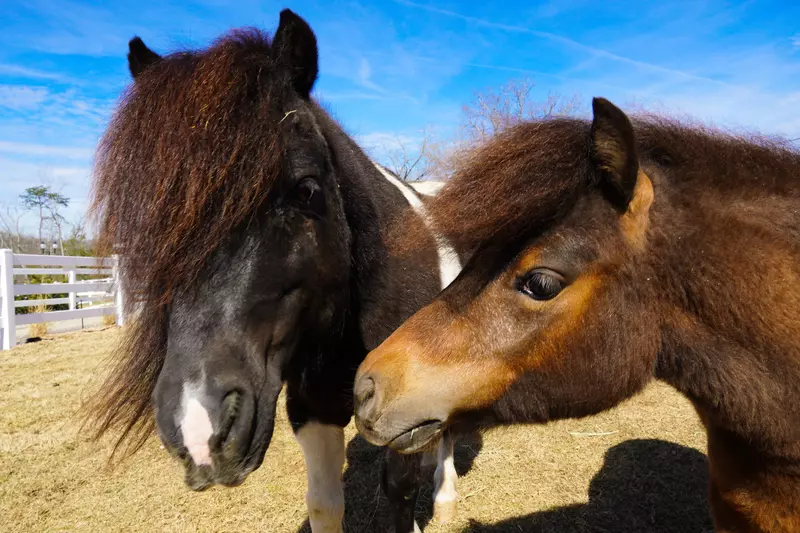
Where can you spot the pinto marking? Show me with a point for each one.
(323, 449)
(445, 476)
(449, 263)
(444, 481)
(196, 427)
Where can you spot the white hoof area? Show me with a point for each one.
(445, 511)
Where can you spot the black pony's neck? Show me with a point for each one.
(370, 200)
(384, 290)
(373, 204)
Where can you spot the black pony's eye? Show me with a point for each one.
(541, 285)
(309, 196)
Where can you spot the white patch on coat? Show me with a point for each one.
(195, 425)
(445, 477)
(449, 263)
(323, 448)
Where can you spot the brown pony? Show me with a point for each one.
(606, 254)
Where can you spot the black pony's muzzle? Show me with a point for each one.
(220, 433)
(228, 446)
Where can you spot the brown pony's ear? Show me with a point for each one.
(295, 49)
(614, 152)
(140, 57)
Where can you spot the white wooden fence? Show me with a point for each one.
(103, 295)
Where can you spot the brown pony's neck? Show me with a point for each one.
(726, 255)
(728, 295)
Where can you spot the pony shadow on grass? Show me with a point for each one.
(366, 507)
(644, 486)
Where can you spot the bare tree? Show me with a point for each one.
(11, 228)
(35, 199)
(55, 202)
(78, 243)
(407, 162)
(440, 157)
(493, 110)
(490, 112)
(47, 203)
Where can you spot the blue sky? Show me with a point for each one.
(391, 69)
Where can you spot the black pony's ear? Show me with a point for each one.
(614, 152)
(140, 57)
(295, 49)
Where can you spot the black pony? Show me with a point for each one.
(252, 232)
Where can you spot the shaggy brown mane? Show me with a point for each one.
(537, 170)
(192, 151)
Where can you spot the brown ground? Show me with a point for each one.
(638, 468)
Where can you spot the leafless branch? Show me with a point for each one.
(490, 112)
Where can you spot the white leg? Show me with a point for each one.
(323, 448)
(444, 481)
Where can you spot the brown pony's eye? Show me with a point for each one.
(309, 197)
(541, 285)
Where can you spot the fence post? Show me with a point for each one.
(119, 297)
(72, 277)
(8, 321)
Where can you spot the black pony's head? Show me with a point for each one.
(216, 184)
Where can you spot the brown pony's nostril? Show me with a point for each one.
(365, 389)
(365, 399)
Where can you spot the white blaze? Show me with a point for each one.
(195, 425)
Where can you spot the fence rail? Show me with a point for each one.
(106, 291)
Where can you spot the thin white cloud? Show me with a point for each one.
(364, 80)
(46, 116)
(328, 96)
(594, 51)
(22, 97)
(386, 139)
(364, 70)
(42, 150)
(25, 72)
(384, 146)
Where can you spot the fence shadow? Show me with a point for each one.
(366, 508)
(649, 486)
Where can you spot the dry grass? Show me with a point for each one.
(40, 329)
(109, 320)
(638, 468)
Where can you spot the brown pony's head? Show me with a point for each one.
(219, 190)
(548, 318)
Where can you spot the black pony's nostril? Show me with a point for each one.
(231, 406)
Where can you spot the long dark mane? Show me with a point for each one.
(192, 152)
(537, 170)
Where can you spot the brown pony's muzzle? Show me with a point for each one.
(408, 388)
(380, 382)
